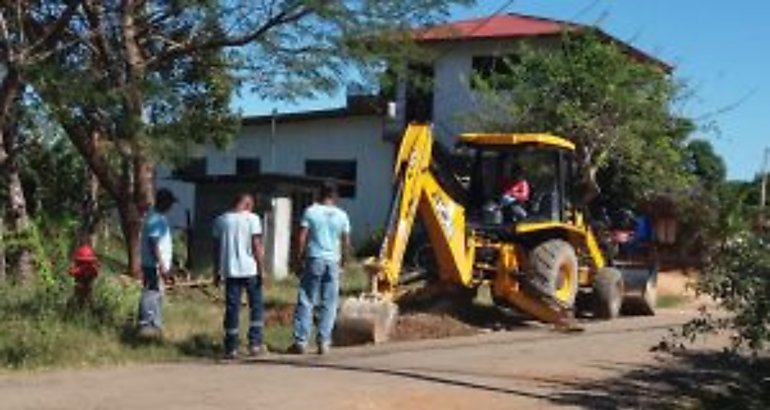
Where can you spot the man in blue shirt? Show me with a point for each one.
(323, 243)
(156, 252)
(239, 259)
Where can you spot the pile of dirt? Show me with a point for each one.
(409, 326)
(417, 326)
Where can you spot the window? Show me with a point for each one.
(195, 167)
(492, 69)
(344, 171)
(247, 166)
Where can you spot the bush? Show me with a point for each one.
(43, 326)
(737, 276)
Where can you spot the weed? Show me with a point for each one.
(670, 301)
(44, 327)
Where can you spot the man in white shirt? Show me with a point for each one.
(156, 252)
(239, 259)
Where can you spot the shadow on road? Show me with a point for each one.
(686, 381)
(689, 380)
(409, 374)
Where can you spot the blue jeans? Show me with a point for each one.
(320, 279)
(233, 289)
(151, 300)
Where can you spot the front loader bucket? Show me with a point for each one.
(368, 318)
(640, 289)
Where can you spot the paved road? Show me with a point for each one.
(527, 368)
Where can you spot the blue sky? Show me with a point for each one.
(720, 51)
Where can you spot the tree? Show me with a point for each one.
(147, 78)
(26, 40)
(616, 109)
(705, 164)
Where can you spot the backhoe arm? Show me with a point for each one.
(418, 192)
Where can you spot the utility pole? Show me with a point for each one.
(763, 188)
(273, 114)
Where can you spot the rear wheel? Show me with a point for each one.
(555, 270)
(642, 301)
(608, 293)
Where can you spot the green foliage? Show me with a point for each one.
(42, 326)
(738, 278)
(53, 173)
(50, 240)
(704, 163)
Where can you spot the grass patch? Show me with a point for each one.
(43, 328)
(670, 301)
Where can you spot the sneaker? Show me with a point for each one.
(323, 348)
(258, 350)
(297, 348)
(231, 355)
(150, 333)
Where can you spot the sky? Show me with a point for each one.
(720, 50)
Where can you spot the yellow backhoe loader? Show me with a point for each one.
(538, 263)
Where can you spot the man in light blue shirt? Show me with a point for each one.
(238, 258)
(156, 252)
(323, 242)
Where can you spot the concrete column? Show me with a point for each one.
(278, 238)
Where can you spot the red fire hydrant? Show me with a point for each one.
(84, 270)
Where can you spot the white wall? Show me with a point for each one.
(452, 95)
(185, 193)
(349, 138)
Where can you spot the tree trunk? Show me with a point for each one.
(90, 215)
(20, 226)
(589, 186)
(17, 217)
(131, 225)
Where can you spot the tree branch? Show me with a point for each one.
(56, 28)
(282, 18)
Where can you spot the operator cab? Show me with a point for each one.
(518, 178)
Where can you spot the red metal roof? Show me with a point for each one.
(510, 26)
(496, 26)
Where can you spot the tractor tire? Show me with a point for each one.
(608, 293)
(642, 302)
(554, 269)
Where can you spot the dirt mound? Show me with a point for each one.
(417, 326)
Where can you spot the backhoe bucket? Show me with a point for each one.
(640, 289)
(368, 318)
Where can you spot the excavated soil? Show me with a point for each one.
(417, 326)
(414, 325)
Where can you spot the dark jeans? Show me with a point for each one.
(151, 300)
(233, 289)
